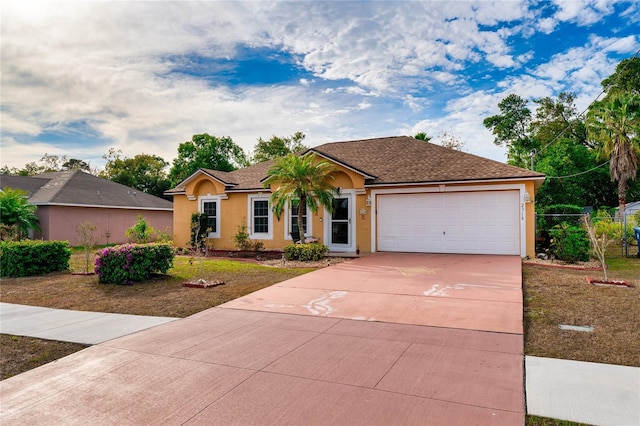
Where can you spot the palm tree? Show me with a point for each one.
(615, 124)
(17, 216)
(302, 179)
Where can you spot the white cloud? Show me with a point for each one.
(108, 66)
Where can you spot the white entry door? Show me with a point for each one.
(482, 222)
(339, 227)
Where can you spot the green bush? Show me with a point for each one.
(310, 251)
(570, 243)
(25, 258)
(129, 263)
(555, 214)
(140, 232)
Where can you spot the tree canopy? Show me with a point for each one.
(206, 151)
(278, 147)
(144, 172)
(573, 150)
(17, 216)
(49, 163)
(614, 124)
(423, 136)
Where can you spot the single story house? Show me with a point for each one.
(396, 194)
(68, 198)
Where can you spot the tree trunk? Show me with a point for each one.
(622, 198)
(302, 206)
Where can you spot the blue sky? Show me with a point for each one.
(79, 78)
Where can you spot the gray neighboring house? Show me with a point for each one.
(66, 199)
(631, 208)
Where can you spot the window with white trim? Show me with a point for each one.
(260, 218)
(210, 206)
(293, 218)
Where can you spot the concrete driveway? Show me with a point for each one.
(384, 339)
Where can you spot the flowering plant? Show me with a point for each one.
(129, 263)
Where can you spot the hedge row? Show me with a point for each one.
(33, 257)
(129, 263)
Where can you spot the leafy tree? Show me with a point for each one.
(558, 120)
(75, 164)
(206, 151)
(511, 129)
(626, 78)
(17, 216)
(567, 158)
(615, 124)
(423, 136)
(303, 178)
(278, 147)
(144, 172)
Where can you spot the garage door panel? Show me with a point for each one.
(464, 222)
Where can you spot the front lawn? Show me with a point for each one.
(163, 295)
(560, 296)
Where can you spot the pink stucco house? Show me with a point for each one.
(66, 199)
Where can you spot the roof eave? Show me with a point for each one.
(457, 181)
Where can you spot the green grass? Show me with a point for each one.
(546, 421)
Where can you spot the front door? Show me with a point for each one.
(339, 229)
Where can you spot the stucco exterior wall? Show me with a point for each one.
(61, 222)
(235, 209)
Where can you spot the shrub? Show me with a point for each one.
(26, 258)
(243, 242)
(242, 238)
(555, 214)
(570, 243)
(140, 232)
(310, 251)
(129, 263)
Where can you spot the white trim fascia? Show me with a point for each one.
(239, 191)
(458, 188)
(99, 206)
(259, 236)
(207, 198)
(451, 182)
(340, 163)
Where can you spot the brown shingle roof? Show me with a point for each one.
(403, 159)
(385, 161)
(82, 189)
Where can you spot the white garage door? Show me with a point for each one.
(483, 222)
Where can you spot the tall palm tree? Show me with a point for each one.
(615, 124)
(303, 179)
(16, 213)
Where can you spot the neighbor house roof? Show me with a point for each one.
(387, 161)
(77, 188)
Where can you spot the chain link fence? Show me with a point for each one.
(546, 222)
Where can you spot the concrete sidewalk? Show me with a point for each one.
(586, 392)
(71, 326)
